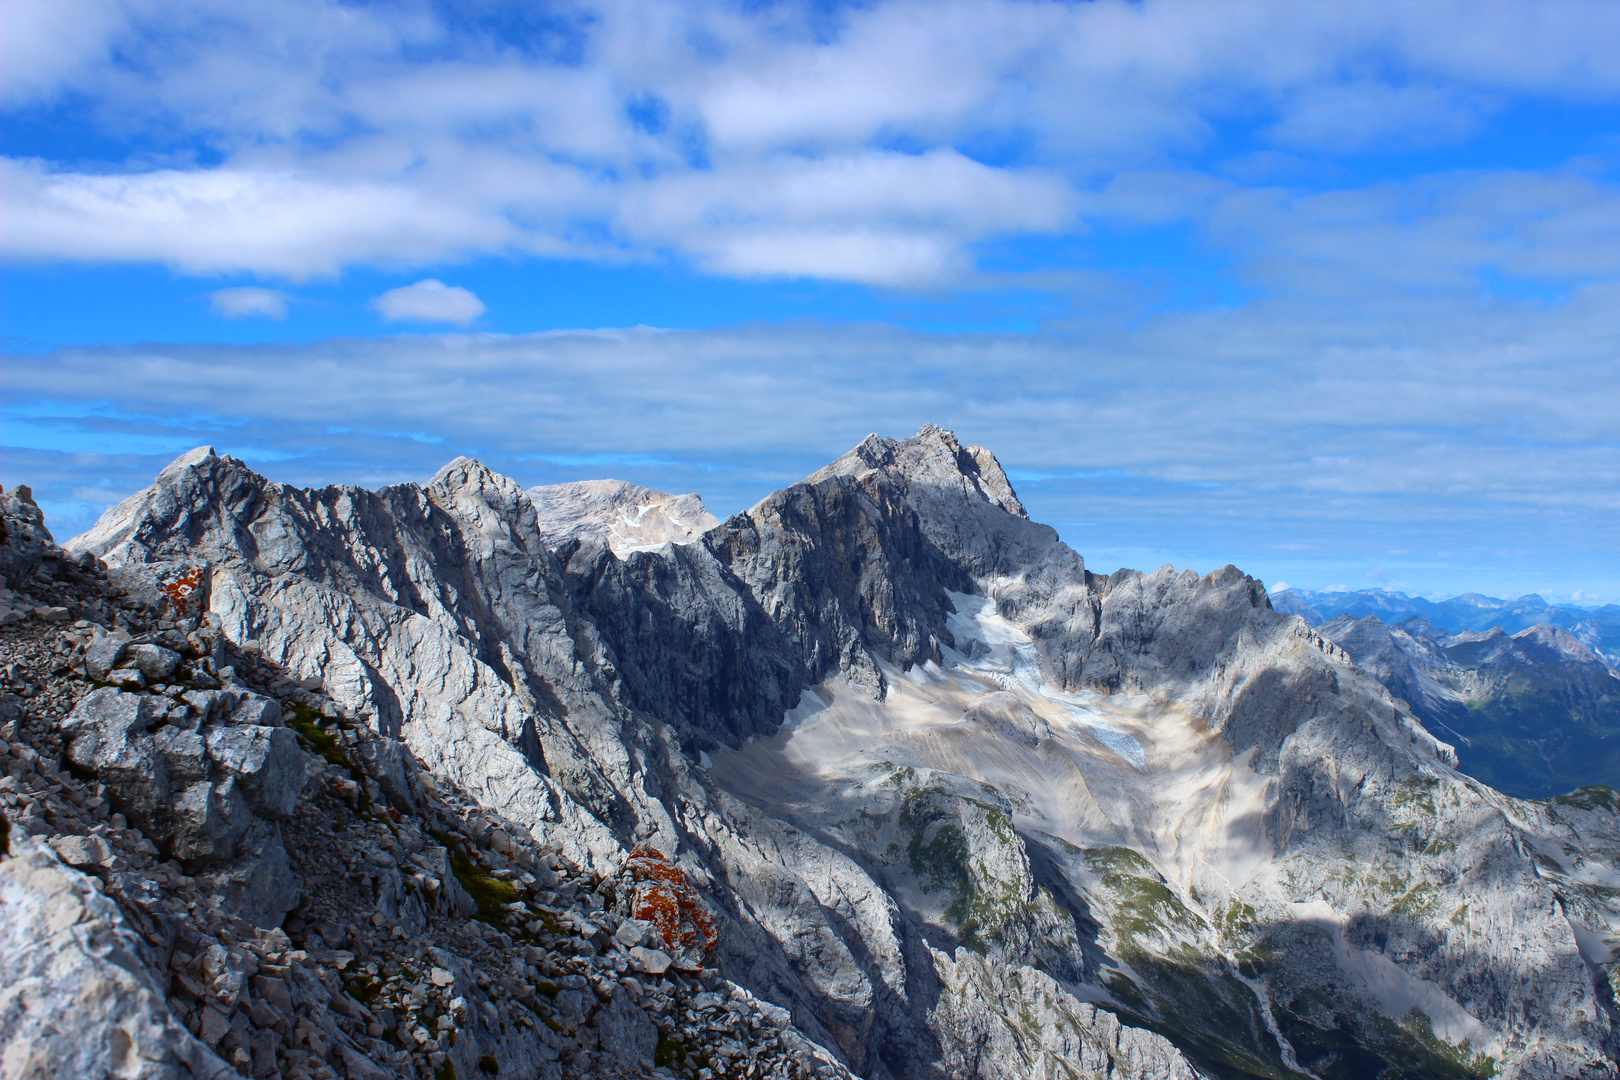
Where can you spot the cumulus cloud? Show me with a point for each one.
(248, 300)
(429, 300)
(880, 143)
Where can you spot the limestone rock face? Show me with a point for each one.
(78, 995)
(208, 794)
(958, 805)
(629, 518)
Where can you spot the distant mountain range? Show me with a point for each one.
(1535, 714)
(1597, 627)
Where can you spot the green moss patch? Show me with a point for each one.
(488, 892)
(304, 721)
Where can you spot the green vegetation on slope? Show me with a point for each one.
(1534, 736)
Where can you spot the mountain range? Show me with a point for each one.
(1597, 627)
(952, 805)
(1535, 714)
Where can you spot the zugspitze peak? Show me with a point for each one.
(876, 780)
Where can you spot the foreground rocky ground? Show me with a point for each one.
(207, 869)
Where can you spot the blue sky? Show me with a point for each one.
(1328, 291)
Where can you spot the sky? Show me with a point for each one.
(1329, 291)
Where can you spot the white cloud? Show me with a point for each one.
(244, 301)
(1450, 447)
(796, 143)
(429, 300)
(46, 45)
(295, 224)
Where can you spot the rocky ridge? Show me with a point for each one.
(324, 908)
(1598, 628)
(630, 518)
(958, 805)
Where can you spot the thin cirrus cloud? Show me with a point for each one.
(430, 301)
(1224, 436)
(882, 144)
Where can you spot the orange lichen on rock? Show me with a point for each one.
(662, 895)
(185, 592)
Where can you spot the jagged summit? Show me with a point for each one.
(196, 456)
(932, 456)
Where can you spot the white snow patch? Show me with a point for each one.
(1101, 726)
(990, 645)
(1595, 950)
(810, 703)
(1595, 872)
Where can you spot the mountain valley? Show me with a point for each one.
(1535, 714)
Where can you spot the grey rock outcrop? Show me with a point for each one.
(24, 540)
(80, 995)
(333, 990)
(265, 762)
(197, 793)
(102, 655)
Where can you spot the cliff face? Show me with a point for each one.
(962, 807)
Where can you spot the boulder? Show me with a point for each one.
(80, 997)
(266, 763)
(101, 655)
(176, 588)
(651, 961)
(391, 764)
(208, 821)
(154, 661)
(127, 678)
(82, 850)
(257, 709)
(106, 734)
(207, 704)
